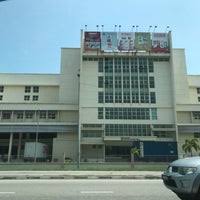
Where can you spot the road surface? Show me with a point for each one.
(84, 190)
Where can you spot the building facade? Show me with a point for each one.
(116, 91)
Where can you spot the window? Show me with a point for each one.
(29, 114)
(35, 97)
(35, 89)
(1, 88)
(153, 97)
(27, 89)
(151, 82)
(154, 114)
(151, 69)
(91, 133)
(197, 135)
(1, 97)
(6, 115)
(19, 115)
(52, 115)
(198, 99)
(100, 97)
(100, 65)
(108, 97)
(198, 90)
(26, 98)
(100, 113)
(196, 115)
(144, 96)
(43, 114)
(100, 81)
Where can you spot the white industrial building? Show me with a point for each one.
(116, 91)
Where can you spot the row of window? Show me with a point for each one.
(125, 65)
(155, 59)
(92, 133)
(127, 113)
(28, 98)
(127, 130)
(28, 114)
(126, 82)
(28, 89)
(127, 97)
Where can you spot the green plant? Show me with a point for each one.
(134, 152)
(191, 145)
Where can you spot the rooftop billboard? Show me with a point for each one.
(126, 42)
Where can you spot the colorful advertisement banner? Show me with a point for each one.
(126, 41)
(160, 43)
(142, 41)
(109, 41)
(92, 41)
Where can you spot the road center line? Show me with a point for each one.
(97, 192)
(7, 192)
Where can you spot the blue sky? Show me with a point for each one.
(33, 31)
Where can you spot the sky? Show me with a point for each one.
(32, 32)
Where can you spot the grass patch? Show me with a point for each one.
(84, 167)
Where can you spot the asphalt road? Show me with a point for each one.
(84, 190)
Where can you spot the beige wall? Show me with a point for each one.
(70, 65)
(65, 143)
(68, 116)
(181, 79)
(89, 153)
(184, 117)
(15, 94)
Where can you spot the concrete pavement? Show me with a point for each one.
(84, 190)
(80, 175)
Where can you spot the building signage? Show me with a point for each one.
(129, 139)
(109, 41)
(126, 41)
(160, 43)
(142, 41)
(92, 41)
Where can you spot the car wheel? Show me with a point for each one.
(186, 197)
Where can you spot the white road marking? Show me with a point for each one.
(7, 193)
(97, 192)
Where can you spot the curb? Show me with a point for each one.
(45, 177)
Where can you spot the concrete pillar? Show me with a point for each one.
(19, 146)
(10, 146)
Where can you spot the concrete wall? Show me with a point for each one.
(184, 117)
(69, 116)
(65, 143)
(92, 153)
(181, 79)
(70, 64)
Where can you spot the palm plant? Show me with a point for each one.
(189, 145)
(134, 152)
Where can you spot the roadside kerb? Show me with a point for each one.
(9, 175)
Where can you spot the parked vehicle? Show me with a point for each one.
(38, 150)
(183, 177)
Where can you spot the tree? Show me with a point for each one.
(189, 145)
(134, 152)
